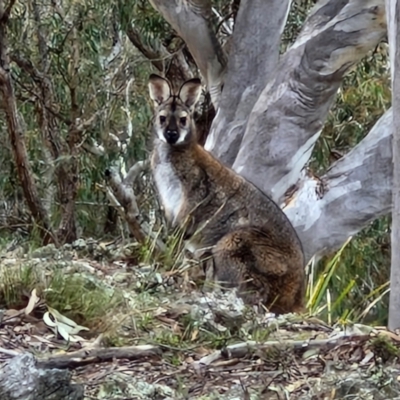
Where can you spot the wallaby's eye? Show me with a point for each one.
(183, 120)
(162, 119)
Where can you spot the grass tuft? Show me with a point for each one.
(73, 295)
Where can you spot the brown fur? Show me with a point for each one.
(252, 243)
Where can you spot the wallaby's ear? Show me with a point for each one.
(190, 92)
(159, 89)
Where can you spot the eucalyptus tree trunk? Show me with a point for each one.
(393, 16)
(271, 109)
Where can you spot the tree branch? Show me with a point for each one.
(177, 70)
(124, 194)
(6, 14)
(17, 140)
(354, 192)
(288, 117)
(256, 38)
(191, 19)
(155, 57)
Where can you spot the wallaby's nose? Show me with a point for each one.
(171, 136)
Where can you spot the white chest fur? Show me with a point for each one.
(169, 189)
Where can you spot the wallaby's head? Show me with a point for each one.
(173, 122)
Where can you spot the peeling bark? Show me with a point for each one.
(354, 192)
(190, 18)
(288, 117)
(251, 64)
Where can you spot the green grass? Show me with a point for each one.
(335, 293)
(170, 257)
(128, 314)
(73, 295)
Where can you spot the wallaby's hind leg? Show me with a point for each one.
(250, 260)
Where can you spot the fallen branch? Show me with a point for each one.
(89, 356)
(9, 352)
(84, 356)
(241, 350)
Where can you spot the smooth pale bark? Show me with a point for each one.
(287, 120)
(251, 64)
(191, 20)
(354, 192)
(393, 17)
(288, 117)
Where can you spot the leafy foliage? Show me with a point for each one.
(108, 80)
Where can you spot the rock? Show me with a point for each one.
(20, 379)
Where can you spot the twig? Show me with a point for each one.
(134, 171)
(12, 353)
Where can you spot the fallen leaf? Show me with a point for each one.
(33, 301)
(62, 325)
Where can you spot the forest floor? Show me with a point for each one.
(140, 332)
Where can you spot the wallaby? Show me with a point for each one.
(252, 244)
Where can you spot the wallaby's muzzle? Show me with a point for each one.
(171, 136)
